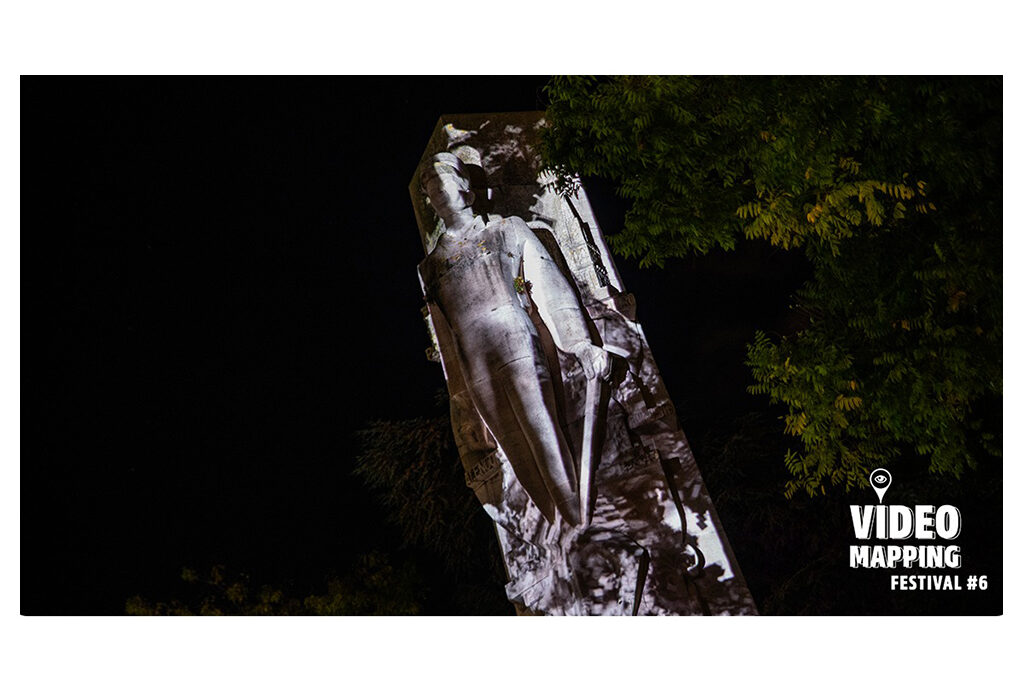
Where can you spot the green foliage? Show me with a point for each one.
(789, 548)
(375, 586)
(889, 186)
(414, 467)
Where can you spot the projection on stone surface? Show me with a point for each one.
(563, 425)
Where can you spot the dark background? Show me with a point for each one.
(221, 287)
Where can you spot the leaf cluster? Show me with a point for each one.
(376, 585)
(414, 468)
(889, 186)
(791, 549)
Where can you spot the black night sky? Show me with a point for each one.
(223, 291)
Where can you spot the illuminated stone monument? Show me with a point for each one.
(565, 430)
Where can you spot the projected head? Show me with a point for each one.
(446, 181)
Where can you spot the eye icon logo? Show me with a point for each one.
(880, 480)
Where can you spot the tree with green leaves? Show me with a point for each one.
(890, 186)
(448, 560)
(375, 585)
(413, 467)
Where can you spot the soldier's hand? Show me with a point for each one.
(596, 362)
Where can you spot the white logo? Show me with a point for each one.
(880, 480)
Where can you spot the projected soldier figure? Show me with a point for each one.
(479, 276)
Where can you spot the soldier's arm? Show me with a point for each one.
(559, 308)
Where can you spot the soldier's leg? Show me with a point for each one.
(491, 399)
(532, 398)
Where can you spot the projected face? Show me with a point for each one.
(449, 192)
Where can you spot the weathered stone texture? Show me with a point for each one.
(654, 544)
